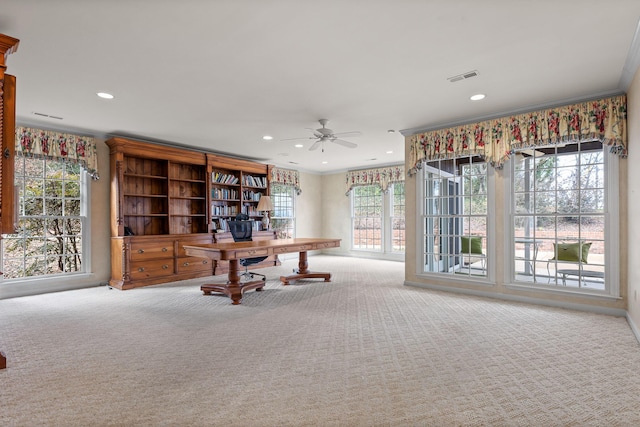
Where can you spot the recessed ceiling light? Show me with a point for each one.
(298, 145)
(477, 97)
(325, 162)
(267, 137)
(104, 95)
(390, 152)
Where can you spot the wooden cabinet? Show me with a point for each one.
(8, 45)
(163, 197)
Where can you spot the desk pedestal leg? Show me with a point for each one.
(233, 288)
(303, 272)
(3, 361)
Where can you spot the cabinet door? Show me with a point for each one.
(8, 216)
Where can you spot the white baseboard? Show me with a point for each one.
(617, 312)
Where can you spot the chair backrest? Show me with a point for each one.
(471, 245)
(241, 230)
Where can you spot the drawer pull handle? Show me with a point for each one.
(140, 251)
(164, 249)
(186, 264)
(140, 269)
(165, 266)
(205, 262)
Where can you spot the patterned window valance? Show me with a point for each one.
(382, 177)
(66, 147)
(495, 140)
(286, 177)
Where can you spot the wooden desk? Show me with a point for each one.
(234, 251)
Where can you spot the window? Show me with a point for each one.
(366, 218)
(454, 203)
(560, 202)
(283, 222)
(51, 220)
(376, 214)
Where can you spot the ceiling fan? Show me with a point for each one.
(325, 134)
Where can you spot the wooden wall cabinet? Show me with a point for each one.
(163, 198)
(8, 45)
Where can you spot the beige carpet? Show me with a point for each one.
(363, 350)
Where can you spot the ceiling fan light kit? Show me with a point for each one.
(323, 134)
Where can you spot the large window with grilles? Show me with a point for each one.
(283, 218)
(51, 221)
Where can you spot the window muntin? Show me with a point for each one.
(283, 219)
(454, 217)
(50, 220)
(559, 204)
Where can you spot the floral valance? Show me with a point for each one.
(53, 145)
(382, 177)
(286, 177)
(604, 120)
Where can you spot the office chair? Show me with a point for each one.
(241, 230)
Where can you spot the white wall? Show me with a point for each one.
(632, 200)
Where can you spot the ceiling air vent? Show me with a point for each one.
(463, 76)
(46, 115)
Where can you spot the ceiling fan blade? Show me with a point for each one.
(315, 145)
(298, 139)
(347, 134)
(344, 143)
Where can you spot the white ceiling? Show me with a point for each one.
(221, 74)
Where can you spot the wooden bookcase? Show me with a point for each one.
(165, 197)
(236, 187)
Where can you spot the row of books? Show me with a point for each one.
(253, 196)
(248, 180)
(224, 193)
(224, 210)
(224, 178)
(254, 181)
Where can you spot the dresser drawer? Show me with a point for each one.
(327, 245)
(151, 250)
(187, 264)
(149, 269)
(297, 248)
(250, 253)
(194, 242)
